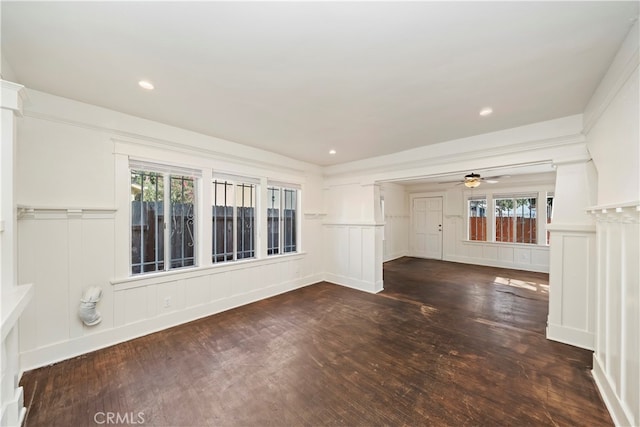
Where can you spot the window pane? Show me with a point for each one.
(245, 220)
(289, 226)
(478, 220)
(147, 222)
(273, 220)
(222, 221)
(504, 220)
(182, 221)
(526, 220)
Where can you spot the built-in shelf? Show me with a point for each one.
(14, 301)
(618, 207)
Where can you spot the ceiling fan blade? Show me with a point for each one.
(451, 182)
(491, 181)
(493, 178)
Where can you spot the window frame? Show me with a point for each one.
(538, 228)
(513, 232)
(167, 172)
(486, 218)
(282, 245)
(236, 182)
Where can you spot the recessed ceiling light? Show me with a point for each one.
(486, 111)
(145, 85)
(332, 152)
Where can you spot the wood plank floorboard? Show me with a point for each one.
(444, 344)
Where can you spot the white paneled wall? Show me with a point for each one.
(493, 254)
(353, 236)
(65, 251)
(352, 256)
(616, 366)
(73, 189)
(457, 247)
(572, 286)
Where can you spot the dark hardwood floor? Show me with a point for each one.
(444, 344)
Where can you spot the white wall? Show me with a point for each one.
(612, 120)
(457, 247)
(73, 184)
(396, 221)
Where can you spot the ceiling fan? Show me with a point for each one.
(473, 180)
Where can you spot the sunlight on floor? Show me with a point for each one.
(531, 286)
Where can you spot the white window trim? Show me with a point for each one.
(167, 171)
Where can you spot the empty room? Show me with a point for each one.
(320, 213)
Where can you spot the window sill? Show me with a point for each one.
(189, 272)
(506, 244)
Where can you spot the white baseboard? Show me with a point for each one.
(614, 405)
(496, 263)
(575, 337)
(350, 282)
(68, 349)
(396, 256)
(12, 412)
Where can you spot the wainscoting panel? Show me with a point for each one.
(354, 255)
(572, 286)
(616, 365)
(505, 255)
(65, 251)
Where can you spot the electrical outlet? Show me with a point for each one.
(167, 302)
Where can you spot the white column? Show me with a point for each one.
(354, 231)
(14, 298)
(572, 275)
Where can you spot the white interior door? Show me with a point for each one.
(427, 227)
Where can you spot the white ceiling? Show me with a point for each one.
(300, 78)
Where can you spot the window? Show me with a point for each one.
(282, 220)
(182, 221)
(516, 219)
(234, 204)
(154, 222)
(147, 222)
(549, 214)
(478, 219)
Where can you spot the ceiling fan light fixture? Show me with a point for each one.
(472, 180)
